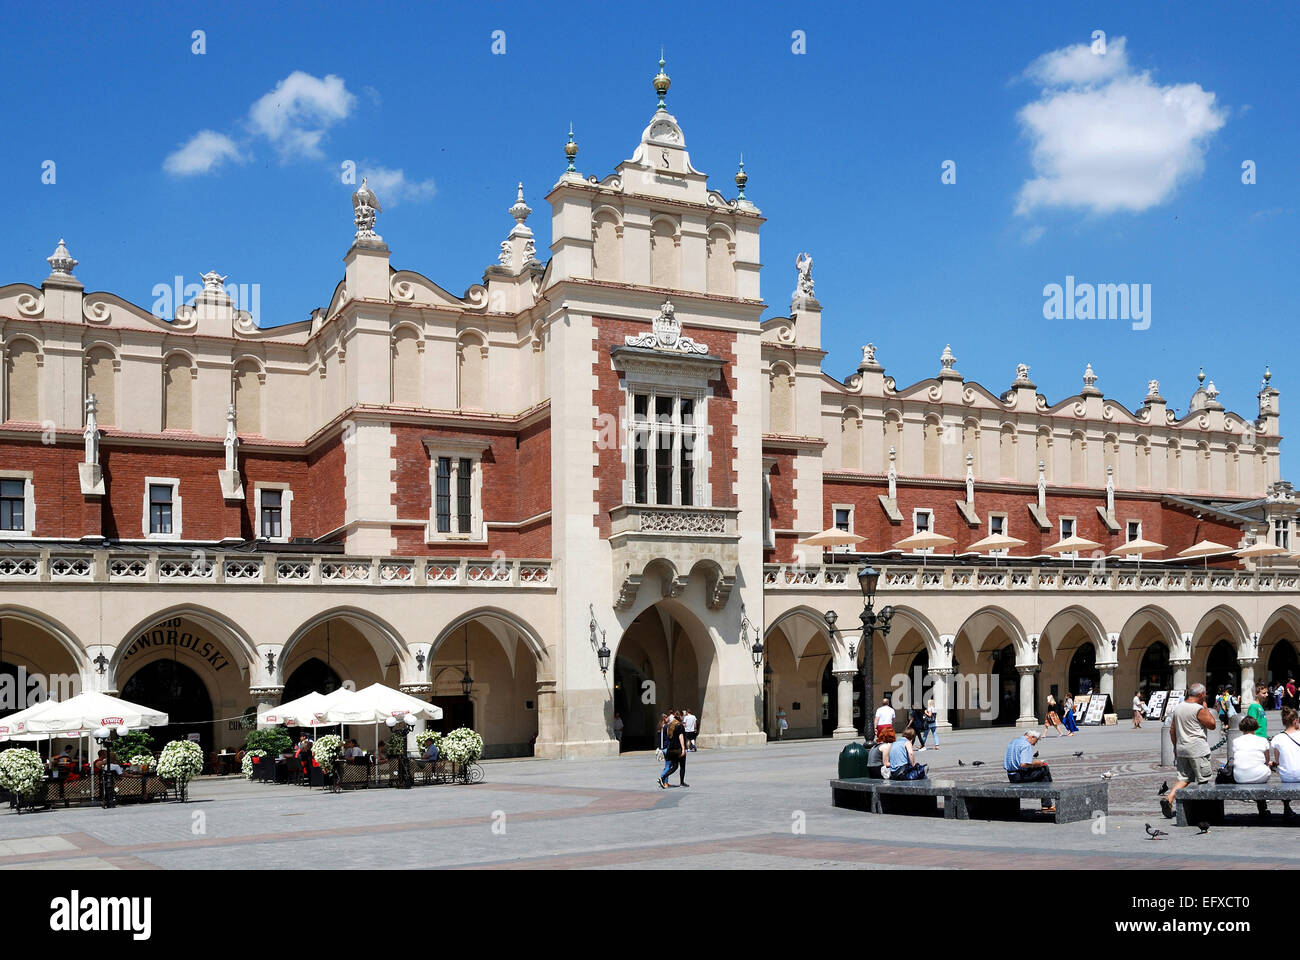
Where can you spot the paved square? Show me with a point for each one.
(761, 807)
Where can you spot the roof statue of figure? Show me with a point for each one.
(364, 206)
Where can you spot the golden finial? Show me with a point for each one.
(742, 178)
(661, 81)
(570, 149)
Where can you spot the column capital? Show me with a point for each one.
(266, 692)
(1180, 663)
(1026, 669)
(1247, 661)
(844, 674)
(416, 689)
(942, 671)
(1109, 666)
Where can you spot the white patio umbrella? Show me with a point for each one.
(378, 704)
(995, 541)
(832, 537)
(1138, 548)
(1206, 549)
(1072, 545)
(14, 726)
(300, 712)
(90, 711)
(925, 540)
(1263, 549)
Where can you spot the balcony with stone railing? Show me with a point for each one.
(1112, 577)
(676, 540)
(213, 568)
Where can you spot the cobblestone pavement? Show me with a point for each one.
(762, 807)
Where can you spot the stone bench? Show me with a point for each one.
(1203, 803)
(974, 800)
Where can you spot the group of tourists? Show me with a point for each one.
(1253, 757)
(1066, 727)
(675, 738)
(893, 755)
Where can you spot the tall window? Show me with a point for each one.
(455, 478)
(464, 497)
(444, 494)
(160, 508)
(1282, 534)
(11, 504)
(272, 513)
(664, 436)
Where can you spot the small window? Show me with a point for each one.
(160, 508)
(997, 524)
(11, 504)
(1282, 534)
(842, 519)
(922, 521)
(444, 495)
(272, 513)
(1067, 527)
(1134, 531)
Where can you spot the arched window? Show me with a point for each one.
(781, 407)
(102, 382)
(177, 403)
(1078, 466)
(663, 254)
(406, 367)
(932, 447)
(1232, 462)
(248, 397)
(1202, 466)
(1173, 466)
(607, 247)
(22, 381)
(1143, 462)
(721, 271)
(851, 441)
(472, 377)
(1007, 452)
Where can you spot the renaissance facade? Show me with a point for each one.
(579, 489)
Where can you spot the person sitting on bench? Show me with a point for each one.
(878, 756)
(1021, 767)
(902, 758)
(1286, 753)
(1250, 757)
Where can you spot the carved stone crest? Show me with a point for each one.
(666, 334)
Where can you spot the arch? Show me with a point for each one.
(1150, 614)
(915, 620)
(42, 621)
(247, 377)
(1084, 618)
(1144, 462)
(607, 243)
(809, 616)
(23, 362)
(235, 639)
(532, 639)
(1007, 621)
(178, 391)
(1078, 458)
(665, 243)
(1110, 455)
(1230, 619)
(1007, 451)
(375, 629)
(100, 365)
(406, 347)
(720, 270)
(781, 405)
(932, 446)
(851, 440)
(1043, 452)
(1202, 465)
(471, 369)
(970, 441)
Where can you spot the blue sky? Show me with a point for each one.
(1133, 160)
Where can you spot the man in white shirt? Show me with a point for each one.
(884, 716)
(689, 723)
(1286, 752)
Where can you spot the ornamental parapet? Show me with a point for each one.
(795, 576)
(199, 567)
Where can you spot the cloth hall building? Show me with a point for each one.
(610, 442)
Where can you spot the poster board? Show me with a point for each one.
(1096, 714)
(1175, 698)
(1156, 703)
(1081, 706)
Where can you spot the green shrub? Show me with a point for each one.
(274, 740)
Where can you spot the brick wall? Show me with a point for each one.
(608, 397)
(781, 482)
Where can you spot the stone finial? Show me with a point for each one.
(1022, 372)
(946, 359)
(1089, 378)
(1042, 486)
(970, 478)
(1153, 392)
(1200, 377)
(742, 178)
(1268, 374)
(520, 210)
(1211, 391)
(1110, 490)
(232, 438)
(364, 207)
(213, 282)
(61, 261)
(91, 433)
(893, 474)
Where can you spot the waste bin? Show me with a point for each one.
(853, 761)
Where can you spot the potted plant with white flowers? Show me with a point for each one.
(23, 774)
(250, 762)
(180, 762)
(462, 747)
(327, 752)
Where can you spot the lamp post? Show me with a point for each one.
(868, 577)
(107, 789)
(402, 727)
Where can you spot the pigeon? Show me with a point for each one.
(961, 763)
(1205, 826)
(1035, 754)
(1108, 774)
(1078, 753)
(1164, 788)
(977, 763)
(1154, 834)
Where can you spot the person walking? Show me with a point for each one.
(1290, 699)
(618, 729)
(932, 723)
(1138, 709)
(672, 742)
(781, 723)
(1052, 720)
(689, 723)
(1191, 722)
(884, 717)
(918, 724)
(1069, 720)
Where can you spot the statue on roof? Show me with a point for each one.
(364, 206)
(803, 263)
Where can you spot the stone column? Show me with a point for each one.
(549, 721)
(1180, 673)
(1247, 682)
(942, 679)
(1107, 686)
(421, 690)
(844, 689)
(1027, 672)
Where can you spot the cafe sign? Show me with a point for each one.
(167, 634)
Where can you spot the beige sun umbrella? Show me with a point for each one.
(1072, 545)
(1257, 550)
(833, 537)
(1205, 548)
(1138, 548)
(995, 541)
(925, 540)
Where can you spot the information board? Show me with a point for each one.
(1175, 698)
(1096, 710)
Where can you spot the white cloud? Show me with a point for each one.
(392, 186)
(297, 113)
(203, 153)
(1106, 139)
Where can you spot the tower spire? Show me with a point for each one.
(662, 83)
(570, 150)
